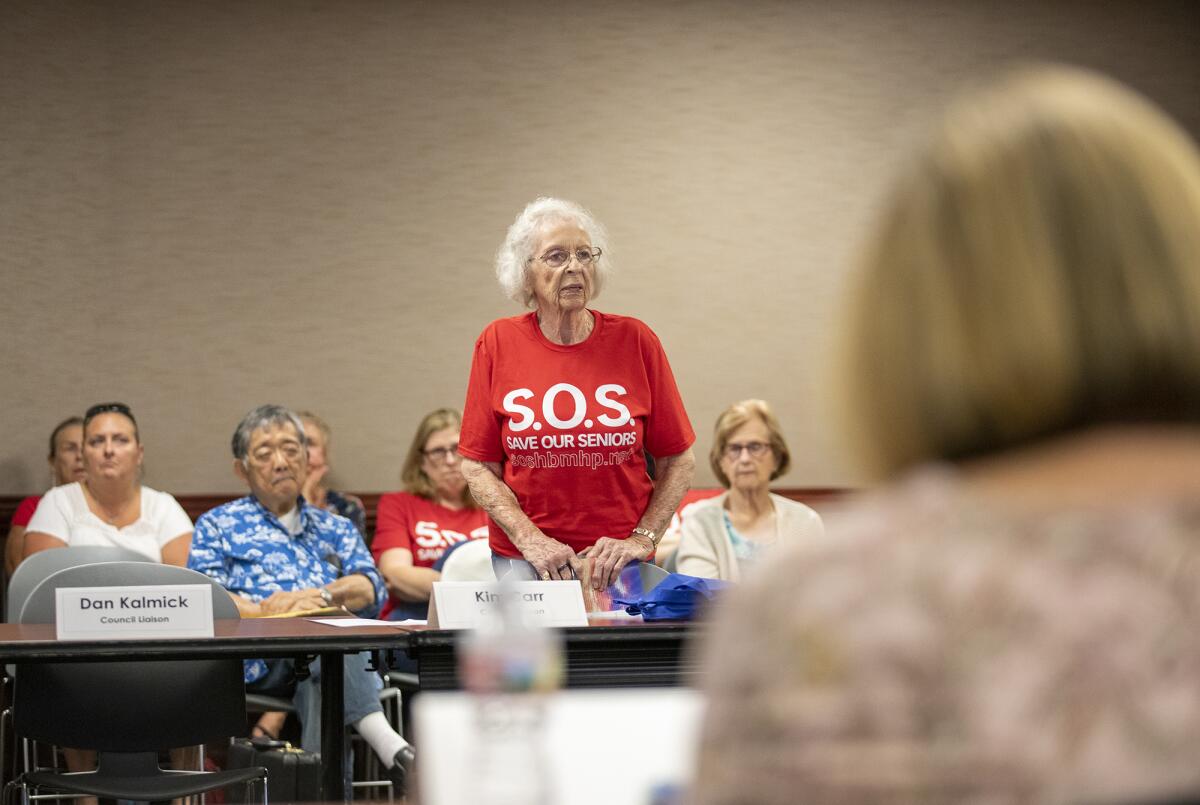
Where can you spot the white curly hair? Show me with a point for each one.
(517, 249)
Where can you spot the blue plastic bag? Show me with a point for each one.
(677, 598)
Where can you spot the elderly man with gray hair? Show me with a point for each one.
(275, 553)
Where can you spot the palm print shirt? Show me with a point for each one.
(248, 551)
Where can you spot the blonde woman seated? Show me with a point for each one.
(415, 528)
(722, 536)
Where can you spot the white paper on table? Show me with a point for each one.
(613, 615)
(345, 622)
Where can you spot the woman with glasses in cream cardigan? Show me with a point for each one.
(722, 537)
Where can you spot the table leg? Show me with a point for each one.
(333, 731)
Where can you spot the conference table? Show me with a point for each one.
(633, 654)
(233, 639)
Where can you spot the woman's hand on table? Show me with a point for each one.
(609, 557)
(551, 559)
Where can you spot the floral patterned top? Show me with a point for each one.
(934, 648)
(248, 551)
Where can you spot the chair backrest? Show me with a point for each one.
(32, 571)
(128, 706)
(652, 575)
(471, 561)
(40, 603)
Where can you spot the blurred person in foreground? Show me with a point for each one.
(316, 491)
(723, 536)
(66, 466)
(563, 403)
(1011, 620)
(415, 528)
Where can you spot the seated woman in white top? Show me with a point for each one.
(110, 506)
(720, 537)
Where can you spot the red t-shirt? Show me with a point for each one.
(569, 424)
(25, 510)
(422, 527)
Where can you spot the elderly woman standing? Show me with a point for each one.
(722, 536)
(1012, 620)
(561, 404)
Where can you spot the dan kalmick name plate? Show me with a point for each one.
(134, 613)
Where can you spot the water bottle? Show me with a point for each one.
(509, 667)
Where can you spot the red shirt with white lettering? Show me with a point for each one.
(422, 527)
(569, 424)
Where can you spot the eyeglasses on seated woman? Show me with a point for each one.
(416, 528)
(723, 536)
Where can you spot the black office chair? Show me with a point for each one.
(29, 574)
(128, 712)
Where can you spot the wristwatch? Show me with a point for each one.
(645, 532)
(326, 596)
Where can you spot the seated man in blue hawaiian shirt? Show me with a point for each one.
(274, 553)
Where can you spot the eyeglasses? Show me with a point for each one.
(441, 455)
(733, 450)
(557, 258)
(291, 452)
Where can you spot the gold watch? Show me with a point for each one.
(645, 532)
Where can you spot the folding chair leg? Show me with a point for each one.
(4, 744)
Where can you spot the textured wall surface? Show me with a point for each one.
(206, 206)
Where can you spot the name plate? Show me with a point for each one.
(134, 613)
(468, 604)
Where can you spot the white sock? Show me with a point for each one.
(376, 731)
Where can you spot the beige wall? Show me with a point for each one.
(209, 205)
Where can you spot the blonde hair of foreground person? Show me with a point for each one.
(1037, 271)
(1035, 274)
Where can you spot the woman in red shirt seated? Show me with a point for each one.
(434, 513)
(66, 466)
